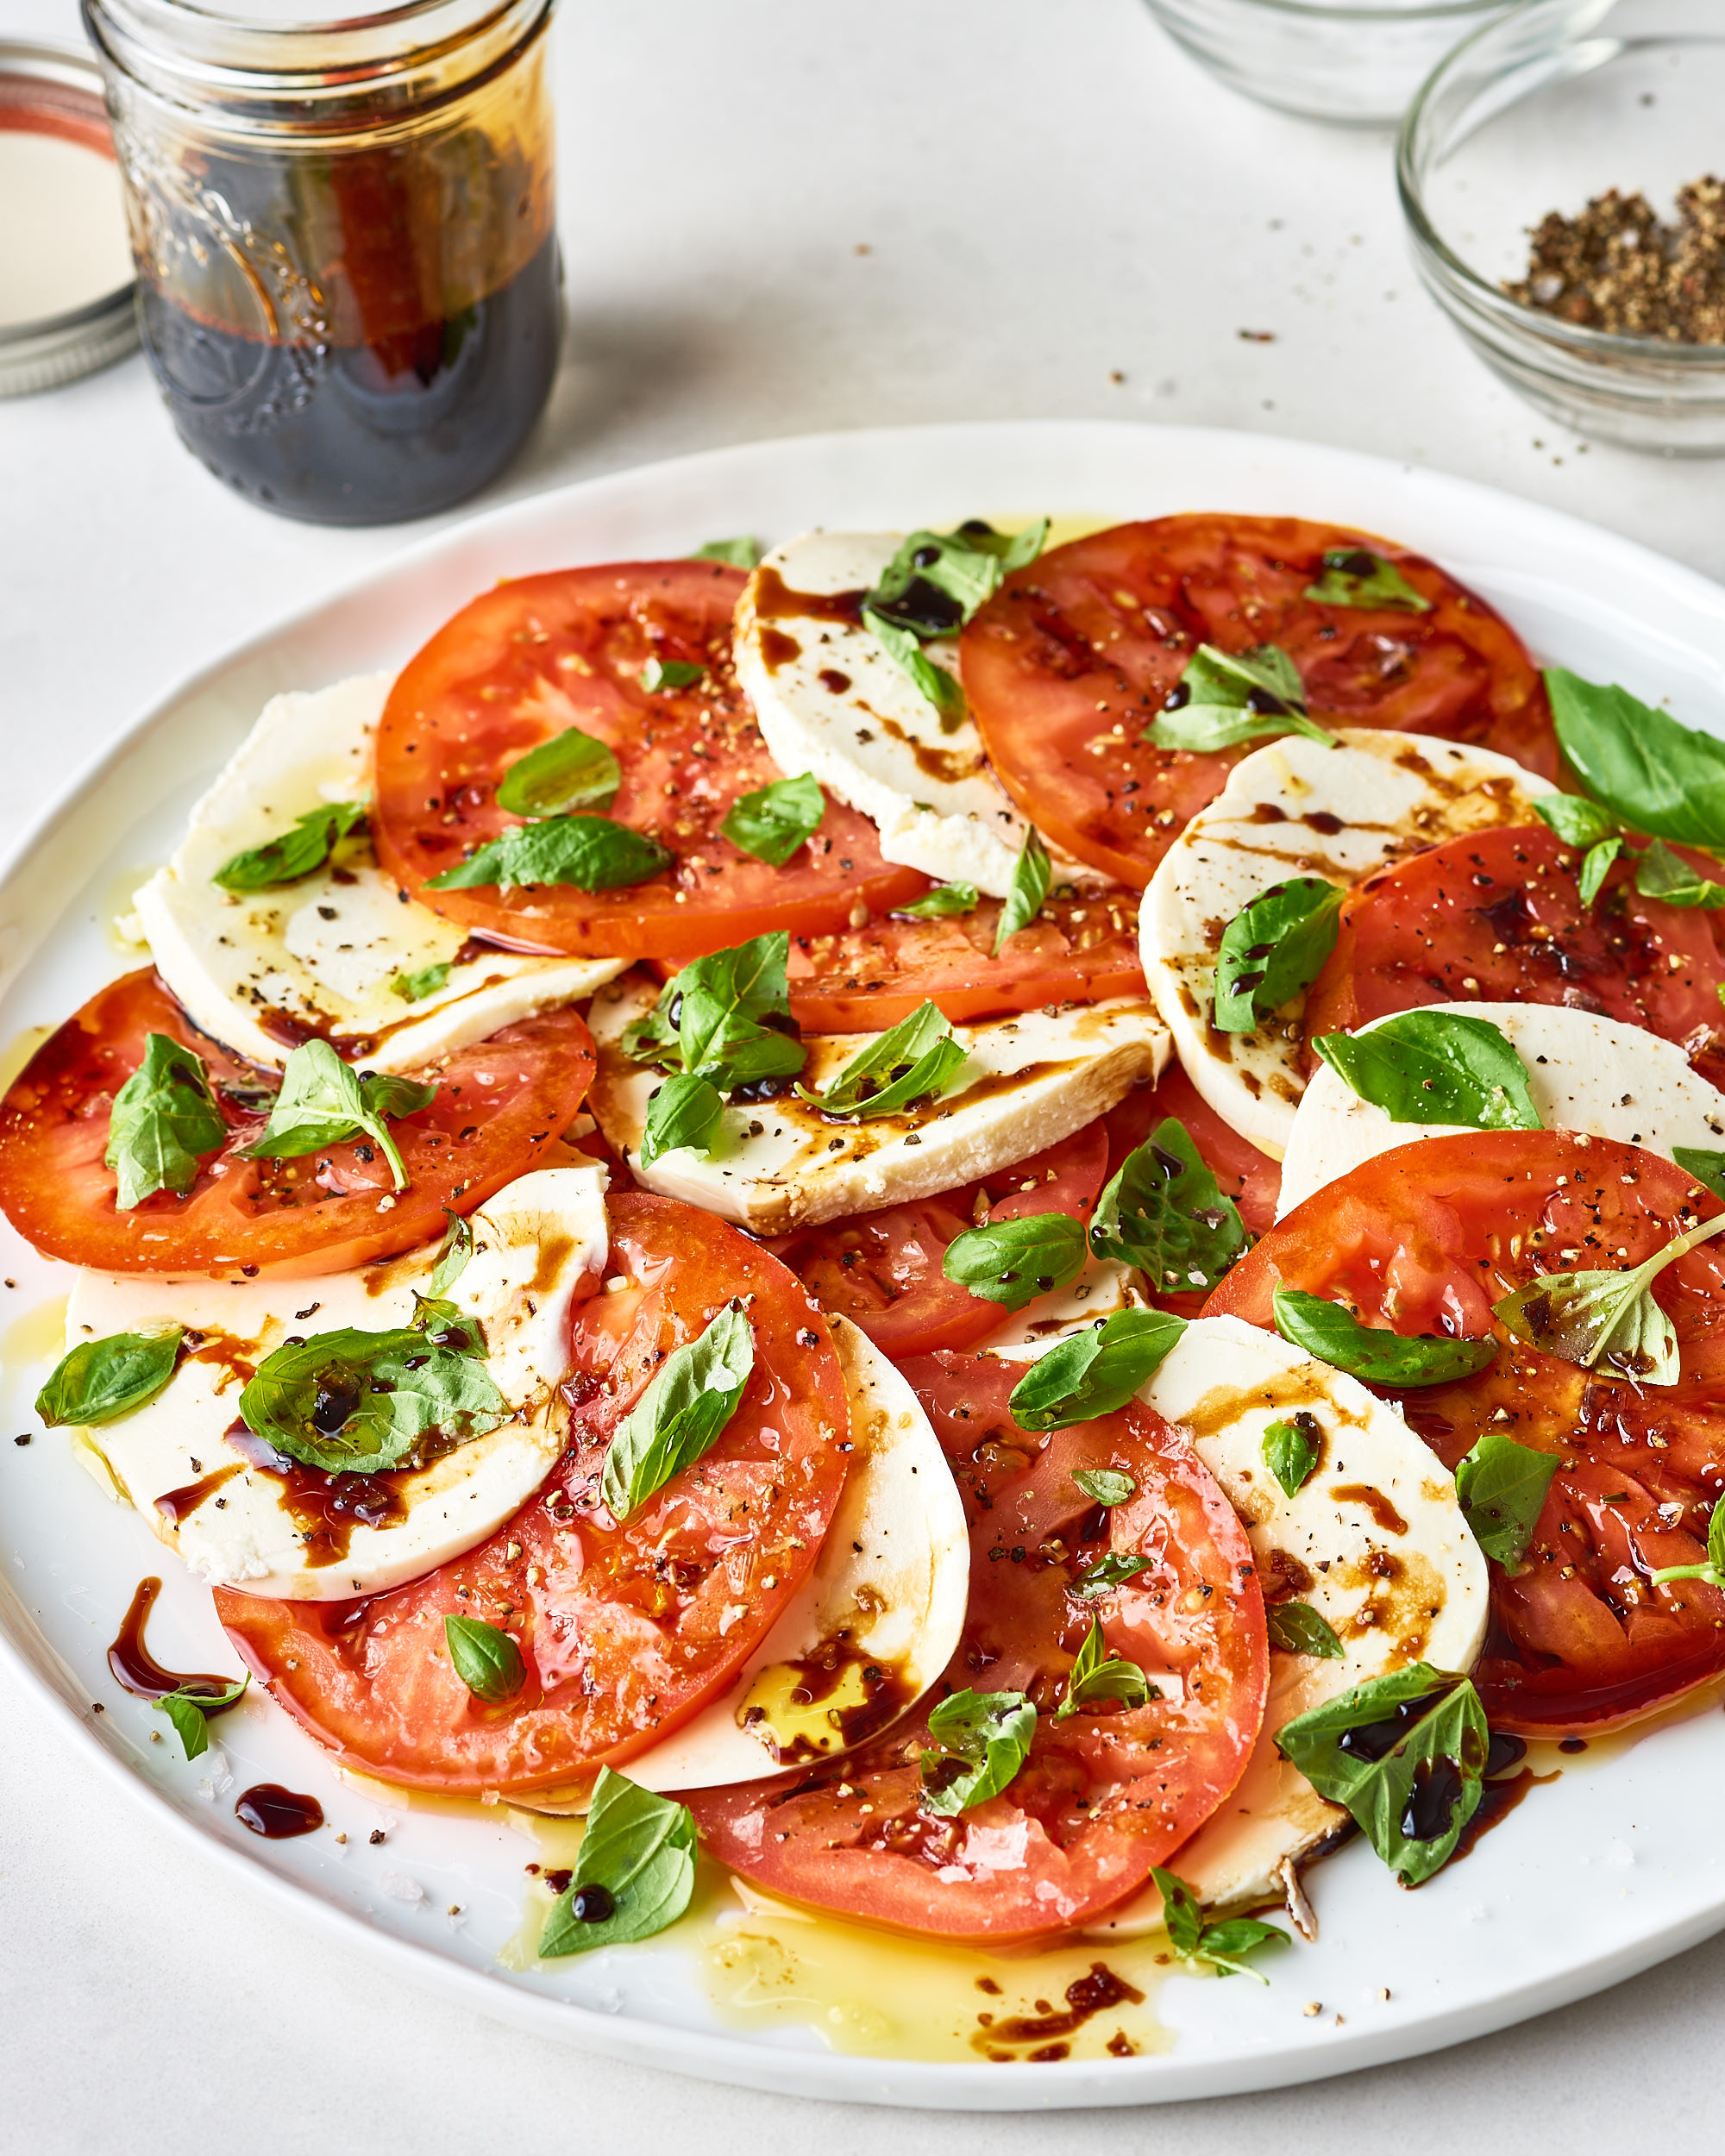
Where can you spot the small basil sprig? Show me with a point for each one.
(686, 1112)
(487, 1661)
(588, 853)
(1354, 576)
(945, 900)
(163, 1120)
(931, 586)
(682, 1413)
(1501, 1487)
(1297, 1628)
(323, 1102)
(915, 1060)
(1332, 1334)
(1589, 1318)
(1098, 1675)
(1092, 1373)
(414, 987)
(1660, 873)
(1291, 1449)
(1273, 949)
(1435, 1066)
(1033, 873)
(659, 674)
(633, 1875)
(1104, 1486)
(1656, 775)
(774, 820)
(1224, 697)
(573, 770)
(989, 1733)
(1217, 1945)
(740, 553)
(190, 1707)
(1164, 1213)
(1712, 1569)
(903, 647)
(713, 1026)
(1406, 1755)
(99, 1381)
(1013, 1262)
(1110, 1570)
(307, 846)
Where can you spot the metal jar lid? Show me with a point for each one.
(65, 277)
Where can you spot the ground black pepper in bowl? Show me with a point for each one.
(1616, 267)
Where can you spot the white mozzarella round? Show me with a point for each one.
(1584, 1073)
(778, 1164)
(1298, 808)
(326, 951)
(538, 1245)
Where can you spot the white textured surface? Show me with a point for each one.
(1042, 210)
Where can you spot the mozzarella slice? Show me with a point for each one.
(1374, 1540)
(1104, 1287)
(1298, 808)
(538, 1245)
(1584, 1073)
(256, 970)
(830, 699)
(779, 1164)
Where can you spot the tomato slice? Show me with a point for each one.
(1103, 1796)
(625, 1630)
(882, 1270)
(521, 664)
(500, 1104)
(1072, 659)
(1499, 918)
(1425, 1239)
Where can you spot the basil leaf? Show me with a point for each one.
(1291, 1450)
(1354, 576)
(355, 1403)
(1707, 1167)
(487, 1661)
(1713, 1571)
(945, 899)
(634, 1874)
(190, 1707)
(307, 846)
(1660, 776)
(452, 1258)
(1105, 1485)
(163, 1120)
(1094, 1372)
(387, 1095)
(669, 674)
(1332, 1334)
(1226, 698)
(1219, 1945)
(990, 1733)
(1578, 821)
(1297, 1628)
(681, 1415)
(1273, 949)
(1165, 1213)
(1595, 867)
(1033, 873)
(709, 1017)
(99, 1381)
(901, 644)
(414, 987)
(322, 1102)
(1013, 1262)
(913, 1061)
(1405, 1754)
(773, 821)
(588, 853)
(1501, 1485)
(1097, 1675)
(1113, 1569)
(1182, 1917)
(936, 581)
(741, 554)
(1660, 873)
(1435, 1066)
(571, 771)
(1610, 1317)
(686, 1110)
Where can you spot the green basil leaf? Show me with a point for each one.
(99, 1381)
(1093, 1373)
(945, 899)
(387, 1095)
(1291, 1450)
(1226, 698)
(588, 853)
(190, 1707)
(1660, 873)
(1590, 1317)
(773, 821)
(1658, 775)
(571, 771)
(1104, 1486)
(323, 1102)
(741, 554)
(1219, 1945)
(1033, 873)
(1332, 1334)
(1182, 1917)
(452, 1258)
(307, 846)
(681, 1415)
(686, 1110)
(1273, 949)
(1354, 576)
(1501, 1485)
(901, 645)
(414, 987)
(913, 1061)
(1707, 1167)
(356, 1403)
(1405, 1754)
(1297, 1628)
(659, 674)
(709, 1019)
(1595, 867)
(1098, 1675)
(1578, 821)
(1435, 1066)
(1165, 1213)
(1113, 1569)
(445, 1324)
(487, 1661)
(990, 1732)
(163, 1120)
(634, 1874)
(1013, 1262)
(936, 581)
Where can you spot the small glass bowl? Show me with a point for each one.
(1545, 109)
(1354, 66)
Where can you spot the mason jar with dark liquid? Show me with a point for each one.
(348, 282)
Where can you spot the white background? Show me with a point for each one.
(1061, 216)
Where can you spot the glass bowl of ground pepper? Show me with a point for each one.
(1563, 175)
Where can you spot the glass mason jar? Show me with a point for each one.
(348, 287)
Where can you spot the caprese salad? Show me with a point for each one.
(1001, 1235)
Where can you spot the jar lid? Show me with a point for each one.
(66, 278)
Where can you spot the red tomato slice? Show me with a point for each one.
(1425, 1239)
(882, 1270)
(625, 1630)
(1071, 659)
(1103, 1796)
(500, 1104)
(521, 664)
(1498, 918)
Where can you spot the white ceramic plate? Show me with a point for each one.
(1602, 1873)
